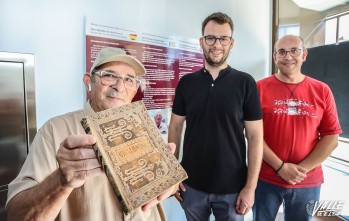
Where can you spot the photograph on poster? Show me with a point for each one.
(161, 119)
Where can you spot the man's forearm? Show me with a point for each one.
(270, 157)
(321, 151)
(255, 154)
(174, 136)
(42, 202)
(254, 135)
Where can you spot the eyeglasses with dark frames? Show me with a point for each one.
(294, 52)
(110, 79)
(211, 40)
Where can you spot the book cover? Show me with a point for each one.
(135, 158)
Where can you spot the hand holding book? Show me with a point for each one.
(77, 161)
(167, 193)
(134, 156)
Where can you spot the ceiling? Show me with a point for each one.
(319, 5)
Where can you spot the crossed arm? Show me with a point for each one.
(296, 173)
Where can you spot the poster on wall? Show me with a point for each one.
(165, 58)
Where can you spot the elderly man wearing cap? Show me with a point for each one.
(61, 178)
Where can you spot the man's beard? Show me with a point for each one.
(215, 63)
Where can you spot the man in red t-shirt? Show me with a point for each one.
(301, 130)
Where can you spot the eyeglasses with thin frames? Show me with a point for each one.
(110, 79)
(211, 40)
(294, 52)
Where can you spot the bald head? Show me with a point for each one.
(289, 55)
(289, 38)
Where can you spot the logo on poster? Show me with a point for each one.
(325, 207)
(132, 36)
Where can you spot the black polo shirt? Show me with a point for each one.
(214, 148)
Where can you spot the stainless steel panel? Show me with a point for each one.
(13, 146)
(17, 117)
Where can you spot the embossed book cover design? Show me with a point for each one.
(135, 158)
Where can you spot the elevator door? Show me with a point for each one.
(14, 127)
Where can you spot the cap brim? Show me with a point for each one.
(134, 63)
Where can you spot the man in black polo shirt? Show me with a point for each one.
(218, 103)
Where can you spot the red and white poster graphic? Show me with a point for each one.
(166, 59)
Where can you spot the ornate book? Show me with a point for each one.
(135, 158)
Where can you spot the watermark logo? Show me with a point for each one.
(325, 207)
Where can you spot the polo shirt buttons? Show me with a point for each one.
(212, 85)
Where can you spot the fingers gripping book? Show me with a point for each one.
(135, 158)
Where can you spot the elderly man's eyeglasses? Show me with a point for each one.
(294, 52)
(110, 79)
(211, 40)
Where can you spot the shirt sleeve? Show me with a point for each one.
(329, 122)
(179, 102)
(252, 105)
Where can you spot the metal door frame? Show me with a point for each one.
(29, 90)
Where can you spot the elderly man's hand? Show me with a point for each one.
(177, 193)
(167, 193)
(77, 160)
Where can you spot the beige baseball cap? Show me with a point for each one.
(116, 54)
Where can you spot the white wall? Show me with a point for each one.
(54, 32)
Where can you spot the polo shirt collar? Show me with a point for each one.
(222, 72)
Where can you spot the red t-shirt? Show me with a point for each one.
(295, 116)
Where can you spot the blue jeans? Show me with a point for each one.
(269, 197)
(198, 205)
